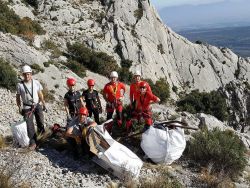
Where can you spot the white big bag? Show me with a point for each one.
(117, 158)
(19, 131)
(163, 146)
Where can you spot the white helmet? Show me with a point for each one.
(26, 69)
(113, 74)
(137, 73)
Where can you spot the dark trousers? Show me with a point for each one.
(110, 114)
(96, 114)
(79, 150)
(38, 113)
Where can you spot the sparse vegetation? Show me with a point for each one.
(47, 64)
(98, 62)
(160, 48)
(175, 89)
(160, 89)
(2, 142)
(222, 149)
(163, 180)
(8, 76)
(76, 67)
(36, 68)
(138, 13)
(210, 103)
(12, 23)
(48, 95)
(237, 73)
(33, 3)
(124, 74)
(50, 45)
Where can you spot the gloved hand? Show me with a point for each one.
(69, 119)
(146, 127)
(45, 109)
(100, 110)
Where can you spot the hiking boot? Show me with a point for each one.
(32, 147)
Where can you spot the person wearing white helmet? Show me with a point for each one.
(30, 102)
(134, 88)
(113, 94)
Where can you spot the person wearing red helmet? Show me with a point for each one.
(142, 107)
(134, 88)
(76, 129)
(72, 99)
(92, 100)
(113, 94)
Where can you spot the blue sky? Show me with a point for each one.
(183, 14)
(166, 3)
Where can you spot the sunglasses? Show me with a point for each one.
(142, 87)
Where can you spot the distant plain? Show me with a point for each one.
(235, 38)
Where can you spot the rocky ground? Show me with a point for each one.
(48, 167)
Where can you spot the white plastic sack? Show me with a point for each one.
(163, 146)
(19, 131)
(119, 158)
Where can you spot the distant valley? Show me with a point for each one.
(235, 38)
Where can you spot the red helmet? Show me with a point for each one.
(83, 111)
(71, 82)
(91, 82)
(143, 84)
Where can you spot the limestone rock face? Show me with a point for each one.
(18, 52)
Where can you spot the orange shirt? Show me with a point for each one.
(134, 88)
(113, 91)
(143, 101)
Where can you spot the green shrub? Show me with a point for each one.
(47, 64)
(36, 68)
(175, 89)
(160, 89)
(50, 45)
(98, 62)
(210, 103)
(33, 3)
(138, 13)
(11, 23)
(8, 76)
(160, 48)
(223, 149)
(124, 74)
(77, 68)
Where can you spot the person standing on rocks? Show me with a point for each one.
(134, 88)
(72, 100)
(113, 94)
(77, 129)
(29, 91)
(144, 99)
(92, 101)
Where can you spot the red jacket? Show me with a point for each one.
(134, 88)
(113, 91)
(143, 101)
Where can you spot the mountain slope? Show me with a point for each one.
(133, 30)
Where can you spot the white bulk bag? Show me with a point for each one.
(19, 131)
(163, 146)
(117, 158)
